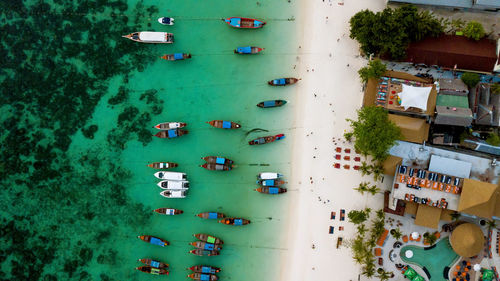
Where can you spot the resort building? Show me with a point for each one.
(452, 104)
(485, 106)
(486, 5)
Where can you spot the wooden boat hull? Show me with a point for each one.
(203, 276)
(218, 160)
(271, 190)
(211, 215)
(221, 124)
(271, 103)
(208, 238)
(248, 50)
(163, 165)
(216, 167)
(151, 37)
(240, 22)
(171, 134)
(170, 125)
(174, 57)
(283, 81)
(168, 211)
(205, 269)
(234, 221)
(154, 263)
(152, 270)
(166, 20)
(274, 182)
(154, 240)
(267, 139)
(206, 246)
(201, 252)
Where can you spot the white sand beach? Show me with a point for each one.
(330, 92)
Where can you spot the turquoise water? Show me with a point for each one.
(435, 259)
(77, 105)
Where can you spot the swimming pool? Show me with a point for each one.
(433, 260)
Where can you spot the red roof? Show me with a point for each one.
(450, 50)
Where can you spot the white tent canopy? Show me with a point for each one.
(414, 97)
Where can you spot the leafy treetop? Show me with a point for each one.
(474, 30)
(375, 69)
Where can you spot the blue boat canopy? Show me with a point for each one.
(178, 56)
(257, 23)
(280, 81)
(209, 247)
(170, 212)
(245, 50)
(155, 264)
(226, 124)
(235, 22)
(172, 133)
(157, 241)
(205, 269)
(269, 103)
(238, 222)
(269, 182)
(273, 190)
(205, 277)
(165, 20)
(220, 160)
(212, 215)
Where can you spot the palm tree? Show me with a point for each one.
(384, 275)
(380, 214)
(365, 169)
(373, 190)
(430, 238)
(397, 234)
(377, 170)
(362, 187)
(491, 224)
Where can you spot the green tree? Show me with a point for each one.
(455, 216)
(493, 139)
(375, 69)
(491, 224)
(384, 275)
(365, 169)
(377, 170)
(397, 234)
(374, 133)
(373, 190)
(357, 217)
(474, 30)
(430, 238)
(470, 79)
(362, 187)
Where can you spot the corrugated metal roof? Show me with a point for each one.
(445, 3)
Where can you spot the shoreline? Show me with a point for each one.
(330, 92)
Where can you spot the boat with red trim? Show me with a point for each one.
(273, 182)
(216, 167)
(205, 269)
(201, 252)
(240, 22)
(211, 215)
(234, 221)
(221, 124)
(206, 246)
(218, 160)
(203, 276)
(248, 50)
(154, 263)
(152, 270)
(283, 81)
(154, 240)
(271, 190)
(171, 134)
(267, 139)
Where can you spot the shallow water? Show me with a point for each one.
(77, 195)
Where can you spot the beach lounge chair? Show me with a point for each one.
(338, 149)
(339, 242)
(405, 238)
(356, 167)
(378, 252)
(332, 215)
(347, 150)
(330, 231)
(342, 215)
(347, 157)
(382, 238)
(338, 157)
(336, 165)
(357, 158)
(347, 167)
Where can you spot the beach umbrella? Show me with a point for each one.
(415, 235)
(409, 254)
(477, 267)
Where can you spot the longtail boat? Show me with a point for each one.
(170, 125)
(154, 263)
(163, 165)
(234, 221)
(201, 252)
(218, 160)
(271, 190)
(150, 37)
(269, 176)
(208, 238)
(216, 167)
(271, 103)
(172, 133)
(205, 269)
(239, 22)
(267, 139)
(173, 193)
(152, 270)
(176, 176)
(154, 240)
(176, 56)
(211, 215)
(206, 246)
(248, 50)
(168, 211)
(203, 276)
(166, 21)
(174, 184)
(221, 124)
(274, 182)
(283, 81)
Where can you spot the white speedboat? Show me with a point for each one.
(173, 193)
(166, 21)
(175, 176)
(170, 125)
(174, 185)
(269, 176)
(151, 37)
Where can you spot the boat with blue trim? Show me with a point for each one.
(273, 182)
(221, 124)
(248, 50)
(206, 245)
(171, 134)
(154, 240)
(283, 81)
(201, 252)
(216, 167)
(176, 56)
(168, 211)
(203, 276)
(218, 160)
(234, 221)
(166, 21)
(239, 22)
(205, 269)
(154, 263)
(271, 103)
(152, 270)
(150, 37)
(267, 139)
(211, 215)
(271, 190)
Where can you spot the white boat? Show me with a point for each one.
(166, 21)
(170, 125)
(269, 176)
(173, 193)
(174, 185)
(174, 176)
(151, 37)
